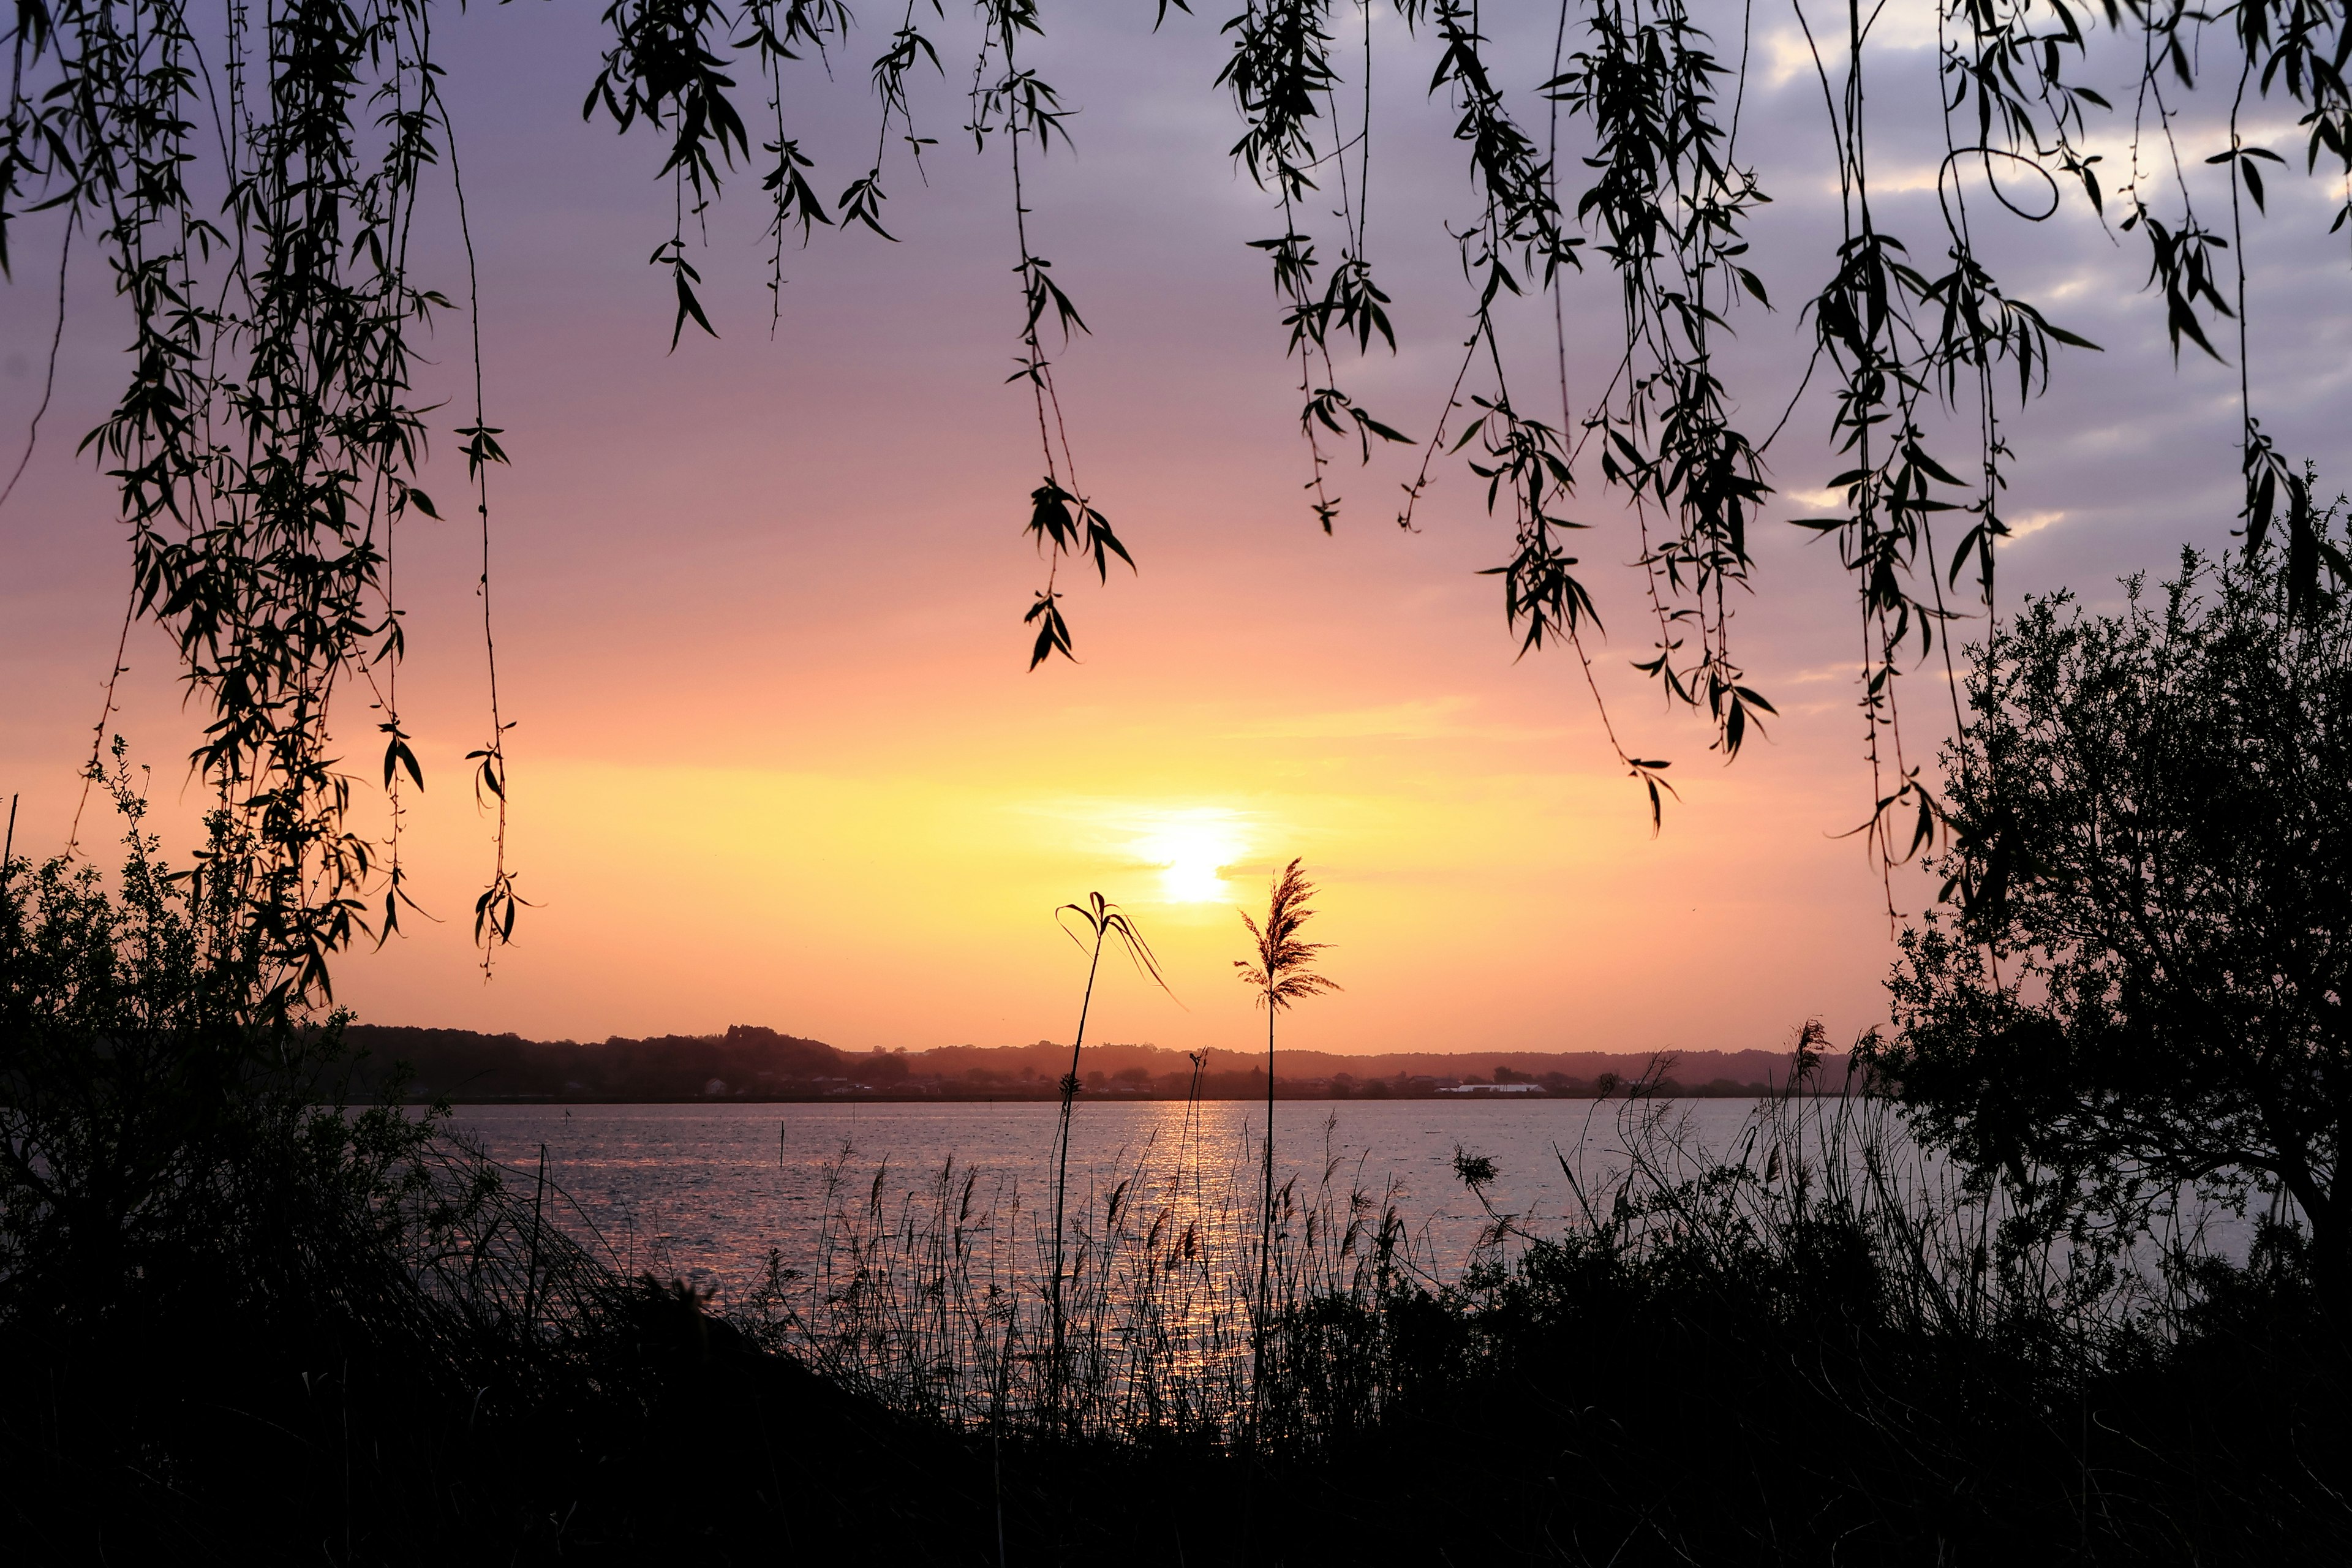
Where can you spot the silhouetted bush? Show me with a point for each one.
(2141, 993)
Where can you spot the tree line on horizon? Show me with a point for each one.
(752, 1063)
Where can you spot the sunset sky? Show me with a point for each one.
(778, 758)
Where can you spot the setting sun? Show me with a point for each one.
(1191, 849)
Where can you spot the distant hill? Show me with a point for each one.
(752, 1063)
(462, 1065)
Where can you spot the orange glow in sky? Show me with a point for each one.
(778, 758)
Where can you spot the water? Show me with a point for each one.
(705, 1192)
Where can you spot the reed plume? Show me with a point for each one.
(1282, 977)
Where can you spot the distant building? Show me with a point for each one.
(1494, 1088)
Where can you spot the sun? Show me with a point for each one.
(1191, 850)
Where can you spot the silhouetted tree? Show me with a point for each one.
(169, 1143)
(2145, 988)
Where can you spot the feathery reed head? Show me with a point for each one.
(1281, 974)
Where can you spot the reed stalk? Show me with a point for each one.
(1283, 975)
(1101, 920)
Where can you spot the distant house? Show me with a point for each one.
(1494, 1088)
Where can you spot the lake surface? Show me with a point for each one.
(705, 1192)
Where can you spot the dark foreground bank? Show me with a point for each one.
(278, 1387)
(248, 1317)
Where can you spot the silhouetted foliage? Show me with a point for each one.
(253, 1319)
(1793, 1349)
(155, 1106)
(2143, 991)
(270, 431)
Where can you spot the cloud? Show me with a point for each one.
(1431, 719)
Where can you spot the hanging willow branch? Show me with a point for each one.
(267, 437)
(265, 442)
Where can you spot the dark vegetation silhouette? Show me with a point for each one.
(2141, 997)
(248, 1322)
(249, 1316)
(752, 1063)
(272, 425)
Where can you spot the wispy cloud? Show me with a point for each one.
(1444, 718)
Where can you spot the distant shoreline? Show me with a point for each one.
(754, 1066)
(1282, 1093)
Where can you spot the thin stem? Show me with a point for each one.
(1062, 1165)
(1266, 1222)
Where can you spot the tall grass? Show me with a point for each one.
(1102, 921)
(1194, 1311)
(1282, 972)
(1814, 1343)
(938, 1298)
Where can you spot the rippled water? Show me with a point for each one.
(705, 1192)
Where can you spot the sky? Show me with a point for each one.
(778, 757)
